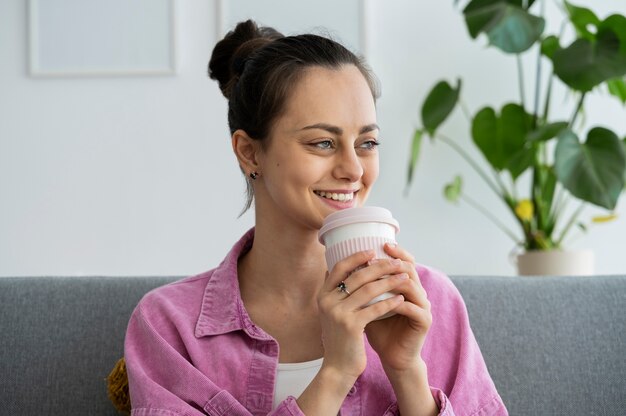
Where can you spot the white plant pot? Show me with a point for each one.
(556, 263)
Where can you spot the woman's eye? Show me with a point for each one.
(325, 144)
(369, 144)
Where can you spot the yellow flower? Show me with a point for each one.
(604, 218)
(525, 210)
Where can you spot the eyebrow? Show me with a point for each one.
(338, 130)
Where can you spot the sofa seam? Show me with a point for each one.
(149, 409)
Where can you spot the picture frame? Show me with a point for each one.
(73, 38)
(345, 21)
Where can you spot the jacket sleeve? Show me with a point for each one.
(445, 408)
(459, 380)
(162, 382)
(457, 371)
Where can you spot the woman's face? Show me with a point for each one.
(322, 152)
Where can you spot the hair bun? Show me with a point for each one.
(231, 54)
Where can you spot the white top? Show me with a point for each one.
(293, 378)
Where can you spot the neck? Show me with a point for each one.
(284, 263)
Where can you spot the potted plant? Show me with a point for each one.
(523, 138)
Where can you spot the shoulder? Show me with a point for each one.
(436, 283)
(217, 286)
(182, 296)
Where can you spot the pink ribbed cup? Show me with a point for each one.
(352, 230)
(346, 248)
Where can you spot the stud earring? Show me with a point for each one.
(254, 175)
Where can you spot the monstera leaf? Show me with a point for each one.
(587, 63)
(547, 131)
(617, 88)
(550, 45)
(592, 171)
(438, 105)
(582, 18)
(502, 138)
(507, 24)
(416, 145)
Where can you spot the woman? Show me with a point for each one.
(268, 331)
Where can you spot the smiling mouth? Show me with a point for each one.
(342, 197)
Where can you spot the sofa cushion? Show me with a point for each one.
(553, 345)
(61, 336)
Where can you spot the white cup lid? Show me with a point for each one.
(356, 215)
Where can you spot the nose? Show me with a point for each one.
(348, 165)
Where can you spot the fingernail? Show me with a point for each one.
(372, 261)
(392, 244)
(396, 262)
(403, 276)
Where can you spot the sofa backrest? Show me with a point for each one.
(61, 336)
(554, 346)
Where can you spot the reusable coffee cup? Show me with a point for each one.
(351, 230)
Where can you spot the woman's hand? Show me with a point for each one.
(344, 317)
(399, 339)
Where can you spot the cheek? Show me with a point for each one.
(291, 171)
(370, 171)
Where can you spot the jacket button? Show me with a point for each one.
(352, 391)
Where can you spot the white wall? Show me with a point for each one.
(134, 176)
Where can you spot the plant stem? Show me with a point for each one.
(577, 111)
(537, 84)
(557, 204)
(513, 187)
(538, 73)
(466, 111)
(501, 184)
(471, 162)
(535, 189)
(488, 214)
(563, 202)
(546, 107)
(543, 152)
(571, 222)
(520, 77)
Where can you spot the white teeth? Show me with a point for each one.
(335, 196)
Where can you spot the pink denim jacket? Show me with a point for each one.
(191, 349)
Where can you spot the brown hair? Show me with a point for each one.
(256, 67)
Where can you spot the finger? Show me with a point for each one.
(421, 317)
(413, 289)
(372, 290)
(409, 268)
(344, 267)
(396, 251)
(372, 312)
(414, 292)
(376, 270)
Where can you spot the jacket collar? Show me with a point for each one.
(222, 309)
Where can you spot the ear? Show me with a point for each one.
(247, 151)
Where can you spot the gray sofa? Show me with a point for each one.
(553, 345)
